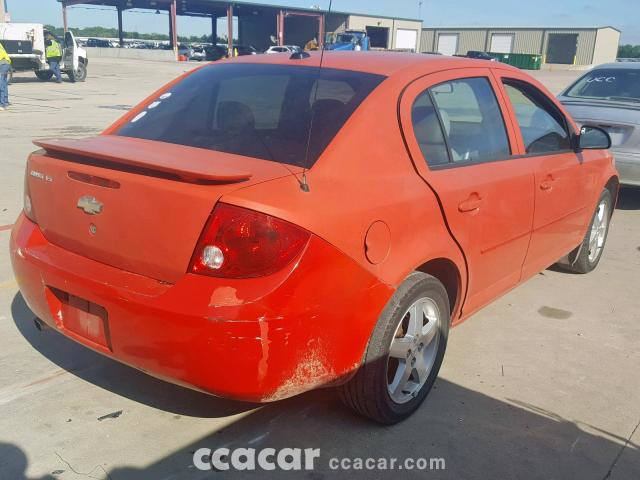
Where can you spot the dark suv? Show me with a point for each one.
(479, 55)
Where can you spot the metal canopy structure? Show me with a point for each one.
(213, 9)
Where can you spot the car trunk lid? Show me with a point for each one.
(138, 205)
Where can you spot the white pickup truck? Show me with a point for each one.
(25, 44)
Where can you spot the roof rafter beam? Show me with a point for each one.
(302, 13)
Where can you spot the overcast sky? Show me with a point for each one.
(622, 14)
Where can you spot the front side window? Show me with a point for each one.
(542, 125)
(261, 111)
(460, 121)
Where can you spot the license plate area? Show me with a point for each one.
(79, 317)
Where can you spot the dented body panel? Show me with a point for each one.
(256, 340)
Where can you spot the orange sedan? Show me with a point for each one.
(262, 226)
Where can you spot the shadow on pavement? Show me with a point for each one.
(13, 463)
(629, 199)
(116, 377)
(33, 79)
(478, 436)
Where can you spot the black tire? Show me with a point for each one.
(80, 74)
(367, 393)
(584, 264)
(44, 75)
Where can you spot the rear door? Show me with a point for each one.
(562, 181)
(462, 147)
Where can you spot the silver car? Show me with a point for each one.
(608, 96)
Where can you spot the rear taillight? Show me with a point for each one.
(28, 204)
(241, 243)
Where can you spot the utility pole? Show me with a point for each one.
(4, 11)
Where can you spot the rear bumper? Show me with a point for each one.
(628, 165)
(257, 340)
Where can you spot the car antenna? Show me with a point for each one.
(304, 185)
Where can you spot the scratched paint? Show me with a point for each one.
(312, 371)
(264, 342)
(224, 296)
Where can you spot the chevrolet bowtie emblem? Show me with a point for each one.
(90, 205)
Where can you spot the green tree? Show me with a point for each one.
(629, 51)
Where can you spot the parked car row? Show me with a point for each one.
(284, 49)
(197, 52)
(194, 51)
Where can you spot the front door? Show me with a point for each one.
(70, 60)
(561, 183)
(463, 149)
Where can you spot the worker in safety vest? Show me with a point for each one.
(54, 55)
(311, 45)
(5, 68)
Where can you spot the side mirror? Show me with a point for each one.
(593, 138)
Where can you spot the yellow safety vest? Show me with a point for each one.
(53, 50)
(4, 55)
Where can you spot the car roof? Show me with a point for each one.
(619, 66)
(381, 63)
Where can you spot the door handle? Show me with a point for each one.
(471, 204)
(547, 184)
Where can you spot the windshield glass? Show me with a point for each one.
(344, 38)
(608, 84)
(261, 111)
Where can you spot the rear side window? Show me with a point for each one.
(261, 111)
(542, 125)
(460, 121)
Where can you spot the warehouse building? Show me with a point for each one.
(558, 46)
(298, 26)
(262, 25)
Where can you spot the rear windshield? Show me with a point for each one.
(261, 111)
(608, 84)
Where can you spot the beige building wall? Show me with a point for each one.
(595, 46)
(470, 40)
(426, 40)
(607, 43)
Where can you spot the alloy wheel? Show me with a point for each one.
(413, 350)
(598, 231)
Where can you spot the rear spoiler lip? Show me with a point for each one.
(194, 166)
